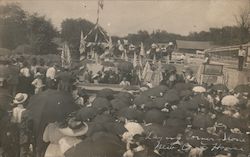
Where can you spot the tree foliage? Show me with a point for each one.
(71, 33)
(17, 27)
(13, 28)
(40, 34)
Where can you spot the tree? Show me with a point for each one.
(40, 34)
(243, 22)
(71, 32)
(12, 26)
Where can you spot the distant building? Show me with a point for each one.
(192, 46)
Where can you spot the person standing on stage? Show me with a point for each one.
(241, 56)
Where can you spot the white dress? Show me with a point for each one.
(53, 135)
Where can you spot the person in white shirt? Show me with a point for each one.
(38, 83)
(125, 82)
(241, 56)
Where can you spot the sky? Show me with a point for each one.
(120, 17)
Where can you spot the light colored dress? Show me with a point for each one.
(53, 135)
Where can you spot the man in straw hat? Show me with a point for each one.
(20, 117)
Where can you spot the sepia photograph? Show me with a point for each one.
(124, 78)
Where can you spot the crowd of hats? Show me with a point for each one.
(178, 115)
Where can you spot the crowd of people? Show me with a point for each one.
(178, 117)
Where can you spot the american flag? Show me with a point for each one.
(82, 47)
(66, 56)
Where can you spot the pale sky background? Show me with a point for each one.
(120, 17)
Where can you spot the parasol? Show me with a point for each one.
(172, 96)
(242, 88)
(115, 128)
(101, 103)
(118, 104)
(47, 107)
(86, 113)
(142, 99)
(221, 87)
(95, 127)
(232, 122)
(99, 144)
(159, 103)
(134, 128)
(202, 121)
(229, 100)
(183, 86)
(199, 89)
(130, 114)
(155, 91)
(106, 93)
(5, 101)
(186, 93)
(103, 118)
(154, 116)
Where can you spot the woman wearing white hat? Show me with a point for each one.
(62, 138)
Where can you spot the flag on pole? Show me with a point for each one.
(65, 56)
(154, 60)
(142, 51)
(125, 56)
(140, 61)
(101, 4)
(82, 47)
(145, 69)
(135, 60)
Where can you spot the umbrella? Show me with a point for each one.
(179, 113)
(102, 104)
(141, 99)
(130, 114)
(189, 106)
(103, 118)
(199, 89)
(221, 87)
(86, 113)
(155, 91)
(159, 103)
(125, 66)
(106, 93)
(47, 107)
(168, 67)
(154, 116)
(173, 122)
(95, 127)
(115, 128)
(242, 88)
(172, 96)
(186, 93)
(99, 144)
(118, 104)
(183, 86)
(232, 122)
(229, 100)
(200, 101)
(5, 102)
(202, 121)
(124, 98)
(134, 128)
